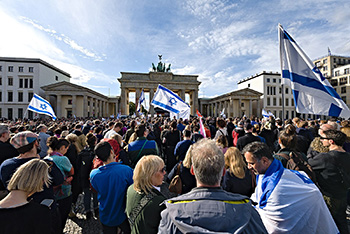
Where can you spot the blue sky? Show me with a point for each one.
(221, 41)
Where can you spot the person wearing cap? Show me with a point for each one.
(43, 136)
(28, 147)
(247, 138)
(111, 182)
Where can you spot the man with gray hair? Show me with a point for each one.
(43, 136)
(208, 208)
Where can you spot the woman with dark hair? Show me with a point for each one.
(222, 143)
(287, 141)
(170, 139)
(85, 158)
(63, 193)
(222, 130)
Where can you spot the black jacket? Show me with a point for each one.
(246, 139)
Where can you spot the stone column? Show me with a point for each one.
(195, 101)
(137, 97)
(74, 105)
(258, 113)
(250, 108)
(97, 114)
(183, 94)
(85, 106)
(231, 108)
(107, 109)
(123, 101)
(59, 106)
(117, 106)
(151, 107)
(216, 109)
(240, 107)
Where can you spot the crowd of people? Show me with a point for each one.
(234, 175)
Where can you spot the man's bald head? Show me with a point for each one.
(326, 127)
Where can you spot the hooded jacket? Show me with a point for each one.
(210, 210)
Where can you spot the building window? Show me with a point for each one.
(280, 90)
(20, 69)
(274, 101)
(10, 81)
(9, 113)
(286, 91)
(10, 68)
(344, 99)
(343, 80)
(31, 83)
(0, 70)
(287, 102)
(0, 98)
(0, 80)
(26, 83)
(10, 96)
(325, 68)
(242, 104)
(334, 82)
(20, 97)
(268, 101)
(325, 74)
(30, 114)
(279, 81)
(318, 64)
(20, 113)
(324, 61)
(336, 73)
(57, 79)
(0, 112)
(69, 101)
(248, 85)
(281, 103)
(268, 80)
(334, 60)
(268, 90)
(20, 83)
(292, 102)
(30, 96)
(343, 90)
(274, 80)
(347, 71)
(31, 69)
(274, 90)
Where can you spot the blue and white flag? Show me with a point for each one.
(264, 113)
(168, 100)
(141, 100)
(222, 114)
(312, 92)
(41, 106)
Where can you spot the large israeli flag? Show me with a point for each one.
(41, 106)
(141, 100)
(168, 100)
(312, 92)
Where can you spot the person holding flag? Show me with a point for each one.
(141, 100)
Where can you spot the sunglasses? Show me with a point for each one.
(325, 138)
(162, 170)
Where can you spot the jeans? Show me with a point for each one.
(87, 199)
(337, 207)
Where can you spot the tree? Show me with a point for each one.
(132, 108)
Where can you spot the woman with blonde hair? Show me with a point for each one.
(143, 201)
(17, 215)
(237, 178)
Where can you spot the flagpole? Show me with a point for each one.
(282, 85)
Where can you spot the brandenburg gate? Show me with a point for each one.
(179, 84)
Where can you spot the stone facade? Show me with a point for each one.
(135, 82)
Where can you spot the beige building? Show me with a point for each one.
(340, 82)
(235, 104)
(69, 100)
(327, 64)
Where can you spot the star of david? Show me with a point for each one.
(43, 106)
(172, 101)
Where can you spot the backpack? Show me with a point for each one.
(296, 162)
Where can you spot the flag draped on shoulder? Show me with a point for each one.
(141, 100)
(168, 100)
(41, 106)
(201, 125)
(312, 92)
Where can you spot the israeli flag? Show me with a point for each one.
(41, 106)
(168, 100)
(265, 113)
(141, 100)
(312, 92)
(222, 114)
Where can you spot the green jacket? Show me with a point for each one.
(148, 220)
